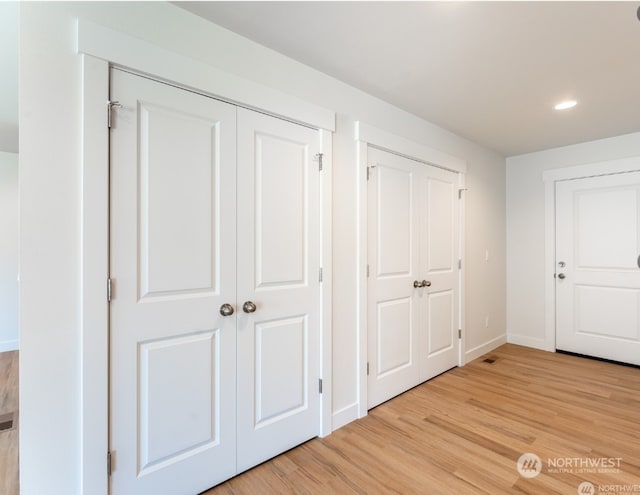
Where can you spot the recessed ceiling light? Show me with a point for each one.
(566, 104)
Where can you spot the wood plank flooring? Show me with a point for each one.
(9, 482)
(464, 431)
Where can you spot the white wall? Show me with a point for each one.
(525, 228)
(50, 187)
(8, 251)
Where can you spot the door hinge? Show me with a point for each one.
(110, 106)
(109, 289)
(109, 463)
(459, 333)
(320, 275)
(460, 192)
(367, 271)
(319, 159)
(320, 385)
(369, 171)
(459, 264)
(367, 368)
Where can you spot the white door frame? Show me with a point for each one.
(550, 177)
(99, 48)
(365, 136)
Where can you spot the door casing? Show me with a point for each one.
(550, 177)
(100, 48)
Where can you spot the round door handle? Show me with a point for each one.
(249, 307)
(226, 310)
(561, 276)
(424, 283)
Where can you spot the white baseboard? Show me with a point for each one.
(9, 345)
(514, 338)
(478, 351)
(344, 416)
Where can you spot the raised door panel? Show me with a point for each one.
(177, 256)
(394, 340)
(279, 261)
(394, 229)
(172, 372)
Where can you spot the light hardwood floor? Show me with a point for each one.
(464, 431)
(460, 433)
(9, 411)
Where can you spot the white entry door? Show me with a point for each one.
(173, 355)
(278, 286)
(413, 274)
(597, 271)
(214, 210)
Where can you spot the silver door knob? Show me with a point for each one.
(561, 276)
(248, 307)
(424, 283)
(226, 310)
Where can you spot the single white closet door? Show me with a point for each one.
(278, 286)
(439, 254)
(395, 290)
(172, 353)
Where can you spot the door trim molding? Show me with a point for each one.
(99, 48)
(94, 319)
(129, 52)
(366, 135)
(550, 177)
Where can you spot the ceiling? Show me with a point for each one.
(488, 71)
(9, 76)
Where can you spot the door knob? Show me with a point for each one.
(424, 283)
(226, 310)
(561, 276)
(248, 307)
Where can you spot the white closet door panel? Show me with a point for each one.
(597, 250)
(278, 253)
(439, 266)
(172, 371)
(176, 255)
(395, 229)
(394, 338)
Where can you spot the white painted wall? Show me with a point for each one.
(525, 228)
(8, 251)
(50, 186)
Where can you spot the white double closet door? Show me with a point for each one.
(413, 284)
(211, 205)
